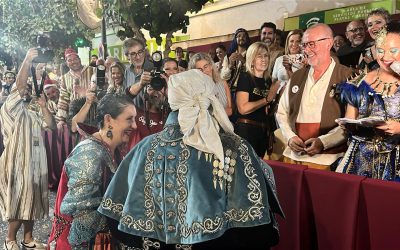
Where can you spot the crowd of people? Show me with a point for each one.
(173, 160)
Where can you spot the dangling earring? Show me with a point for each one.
(109, 132)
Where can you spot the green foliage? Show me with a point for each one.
(22, 20)
(158, 17)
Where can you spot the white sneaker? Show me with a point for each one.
(34, 244)
(11, 245)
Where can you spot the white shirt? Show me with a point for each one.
(310, 112)
(226, 72)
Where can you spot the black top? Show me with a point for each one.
(258, 89)
(349, 56)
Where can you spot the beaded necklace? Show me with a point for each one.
(387, 86)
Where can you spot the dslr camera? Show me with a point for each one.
(101, 76)
(44, 47)
(101, 89)
(157, 82)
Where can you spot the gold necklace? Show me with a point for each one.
(387, 86)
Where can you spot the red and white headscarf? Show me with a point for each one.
(48, 83)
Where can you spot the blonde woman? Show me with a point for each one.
(253, 123)
(205, 64)
(117, 71)
(290, 62)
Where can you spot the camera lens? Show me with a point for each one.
(157, 83)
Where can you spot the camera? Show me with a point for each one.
(44, 47)
(101, 76)
(101, 86)
(157, 82)
(297, 59)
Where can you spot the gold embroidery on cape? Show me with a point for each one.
(140, 225)
(115, 208)
(148, 176)
(181, 172)
(208, 225)
(255, 194)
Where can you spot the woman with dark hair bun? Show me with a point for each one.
(86, 174)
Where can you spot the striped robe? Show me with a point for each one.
(23, 164)
(67, 93)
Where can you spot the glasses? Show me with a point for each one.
(311, 44)
(135, 54)
(355, 30)
(204, 68)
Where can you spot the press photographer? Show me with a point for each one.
(155, 77)
(157, 82)
(150, 98)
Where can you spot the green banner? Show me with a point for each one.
(355, 12)
(309, 19)
(339, 15)
(292, 23)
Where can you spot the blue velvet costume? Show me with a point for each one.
(372, 153)
(166, 190)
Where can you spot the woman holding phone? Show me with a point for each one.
(290, 62)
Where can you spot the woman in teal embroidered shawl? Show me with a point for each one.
(86, 175)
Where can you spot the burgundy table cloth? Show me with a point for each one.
(294, 229)
(382, 201)
(335, 201)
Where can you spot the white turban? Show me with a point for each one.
(192, 92)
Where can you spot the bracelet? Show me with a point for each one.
(268, 102)
(128, 92)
